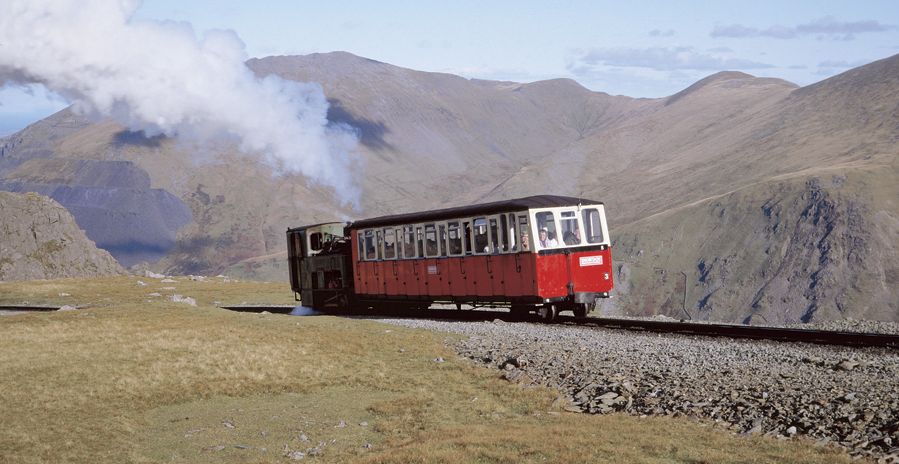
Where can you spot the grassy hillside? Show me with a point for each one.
(138, 378)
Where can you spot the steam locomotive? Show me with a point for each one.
(540, 254)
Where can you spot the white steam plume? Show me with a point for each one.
(160, 77)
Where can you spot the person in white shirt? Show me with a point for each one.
(545, 241)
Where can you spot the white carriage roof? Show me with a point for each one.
(504, 206)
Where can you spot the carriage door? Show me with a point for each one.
(511, 259)
(407, 278)
(379, 268)
(570, 235)
(496, 264)
(391, 267)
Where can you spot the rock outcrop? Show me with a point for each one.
(113, 202)
(807, 249)
(39, 239)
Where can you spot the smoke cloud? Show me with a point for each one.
(162, 78)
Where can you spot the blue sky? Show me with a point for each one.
(639, 49)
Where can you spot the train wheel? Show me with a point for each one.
(580, 311)
(547, 313)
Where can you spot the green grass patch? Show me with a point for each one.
(134, 378)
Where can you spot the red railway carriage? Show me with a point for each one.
(543, 253)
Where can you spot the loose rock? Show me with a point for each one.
(749, 386)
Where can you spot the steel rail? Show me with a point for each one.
(252, 308)
(783, 334)
(780, 334)
(26, 308)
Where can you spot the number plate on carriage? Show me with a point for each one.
(591, 261)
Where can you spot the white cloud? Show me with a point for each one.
(661, 59)
(826, 27)
(661, 33)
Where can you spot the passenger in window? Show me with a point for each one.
(480, 243)
(455, 246)
(545, 240)
(525, 241)
(572, 237)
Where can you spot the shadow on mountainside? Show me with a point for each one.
(136, 138)
(371, 133)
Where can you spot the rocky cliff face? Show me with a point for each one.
(112, 201)
(808, 248)
(39, 239)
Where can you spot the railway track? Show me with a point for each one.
(27, 308)
(822, 337)
(781, 334)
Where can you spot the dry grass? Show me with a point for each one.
(134, 381)
(116, 291)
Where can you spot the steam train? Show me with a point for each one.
(540, 254)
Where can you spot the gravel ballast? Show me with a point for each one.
(845, 396)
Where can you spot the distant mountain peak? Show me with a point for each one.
(734, 78)
(559, 82)
(725, 76)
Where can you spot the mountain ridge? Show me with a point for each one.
(433, 140)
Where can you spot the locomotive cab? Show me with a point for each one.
(319, 264)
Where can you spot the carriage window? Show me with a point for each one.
(315, 241)
(370, 245)
(546, 223)
(466, 227)
(592, 225)
(525, 232)
(408, 242)
(431, 248)
(441, 238)
(389, 243)
(380, 242)
(419, 240)
(455, 238)
(507, 233)
(571, 233)
(495, 231)
(481, 241)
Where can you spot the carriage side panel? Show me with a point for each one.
(552, 275)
